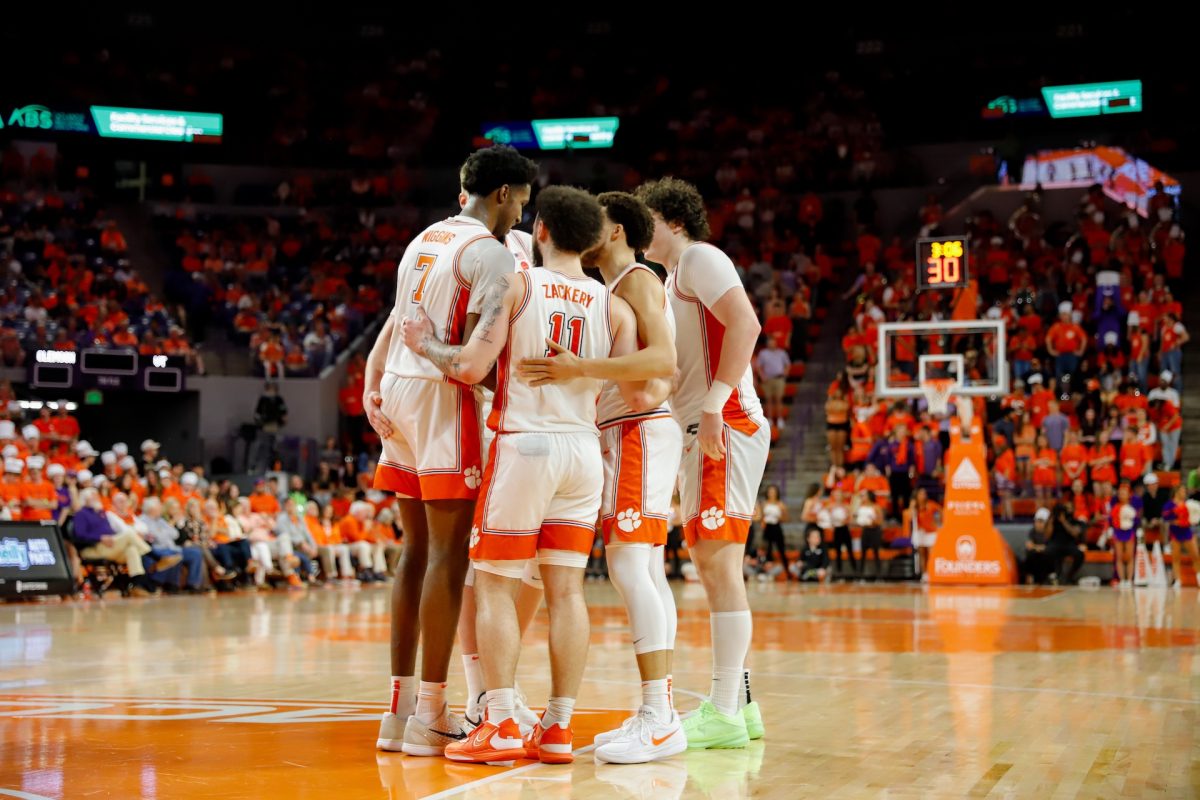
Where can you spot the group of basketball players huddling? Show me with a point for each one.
(598, 396)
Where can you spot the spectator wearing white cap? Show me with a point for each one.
(8, 430)
(11, 488)
(149, 450)
(1066, 343)
(128, 465)
(1165, 389)
(188, 482)
(32, 437)
(121, 449)
(109, 460)
(38, 495)
(65, 492)
(85, 453)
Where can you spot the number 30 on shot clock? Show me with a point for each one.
(941, 262)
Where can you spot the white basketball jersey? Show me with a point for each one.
(434, 275)
(612, 407)
(575, 313)
(520, 244)
(702, 277)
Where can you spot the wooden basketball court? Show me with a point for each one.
(867, 691)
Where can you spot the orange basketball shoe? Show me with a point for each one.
(553, 745)
(498, 745)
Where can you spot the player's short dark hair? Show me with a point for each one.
(572, 216)
(632, 215)
(488, 169)
(678, 202)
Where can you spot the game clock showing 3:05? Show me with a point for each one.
(941, 262)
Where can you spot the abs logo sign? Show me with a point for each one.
(966, 476)
(31, 117)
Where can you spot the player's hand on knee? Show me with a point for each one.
(375, 416)
(561, 365)
(711, 436)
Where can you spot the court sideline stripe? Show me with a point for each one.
(499, 776)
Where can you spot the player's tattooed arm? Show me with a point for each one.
(472, 362)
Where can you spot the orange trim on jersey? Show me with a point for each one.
(631, 476)
(463, 282)
(733, 413)
(440, 484)
(714, 489)
(566, 535)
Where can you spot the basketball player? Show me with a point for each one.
(529, 598)
(430, 439)
(641, 458)
(726, 440)
(541, 492)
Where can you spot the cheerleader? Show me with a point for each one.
(1179, 521)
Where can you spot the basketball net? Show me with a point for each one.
(937, 395)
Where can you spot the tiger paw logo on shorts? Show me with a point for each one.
(471, 477)
(712, 518)
(474, 536)
(629, 520)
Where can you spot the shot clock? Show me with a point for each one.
(941, 263)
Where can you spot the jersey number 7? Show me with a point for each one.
(573, 327)
(424, 262)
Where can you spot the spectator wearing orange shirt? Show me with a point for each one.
(262, 500)
(332, 552)
(1066, 343)
(123, 337)
(271, 355)
(1139, 350)
(1074, 460)
(1005, 469)
(1172, 337)
(1040, 398)
(112, 239)
(38, 494)
(1135, 458)
(1045, 469)
(1022, 347)
(12, 488)
(355, 531)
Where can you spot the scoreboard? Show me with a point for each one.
(942, 263)
(105, 368)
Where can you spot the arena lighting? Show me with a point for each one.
(36, 405)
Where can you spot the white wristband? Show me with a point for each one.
(718, 395)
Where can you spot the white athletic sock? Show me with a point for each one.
(671, 690)
(501, 705)
(744, 694)
(403, 693)
(731, 631)
(656, 695)
(431, 699)
(558, 711)
(474, 672)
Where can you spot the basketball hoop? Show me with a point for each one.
(937, 394)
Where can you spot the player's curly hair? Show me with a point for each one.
(572, 216)
(678, 202)
(632, 215)
(488, 169)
